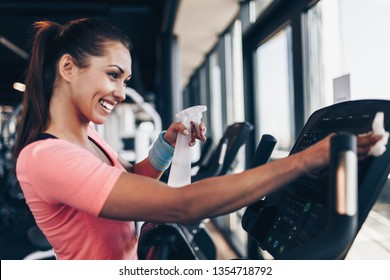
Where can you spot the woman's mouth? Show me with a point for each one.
(106, 105)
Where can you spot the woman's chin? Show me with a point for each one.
(99, 120)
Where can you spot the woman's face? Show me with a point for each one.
(97, 88)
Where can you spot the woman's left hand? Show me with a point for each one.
(197, 132)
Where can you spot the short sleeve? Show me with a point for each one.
(61, 172)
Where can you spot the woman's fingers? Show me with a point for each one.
(197, 132)
(173, 130)
(364, 144)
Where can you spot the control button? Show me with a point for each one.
(307, 207)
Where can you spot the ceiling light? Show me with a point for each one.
(19, 86)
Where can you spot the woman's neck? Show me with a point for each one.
(64, 121)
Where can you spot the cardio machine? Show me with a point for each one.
(319, 215)
(316, 216)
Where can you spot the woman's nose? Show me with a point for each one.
(120, 93)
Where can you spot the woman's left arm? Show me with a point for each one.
(145, 167)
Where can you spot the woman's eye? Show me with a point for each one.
(113, 75)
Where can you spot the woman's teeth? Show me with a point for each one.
(106, 105)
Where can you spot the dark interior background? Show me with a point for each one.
(141, 20)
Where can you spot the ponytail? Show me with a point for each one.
(39, 84)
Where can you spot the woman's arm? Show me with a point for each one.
(145, 168)
(138, 198)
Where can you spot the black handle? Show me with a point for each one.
(264, 150)
(257, 217)
(163, 242)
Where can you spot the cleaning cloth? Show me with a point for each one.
(378, 129)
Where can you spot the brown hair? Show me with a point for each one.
(81, 39)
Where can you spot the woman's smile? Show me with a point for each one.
(107, 106)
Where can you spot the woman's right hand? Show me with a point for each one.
(317, 156)
(365, 142)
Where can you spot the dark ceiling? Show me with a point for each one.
(141, 20)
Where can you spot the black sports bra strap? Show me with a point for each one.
(43, 136)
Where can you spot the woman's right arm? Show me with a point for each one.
(136, 197)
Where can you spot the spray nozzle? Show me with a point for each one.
(191, 114)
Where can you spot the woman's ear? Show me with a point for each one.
(66, 67)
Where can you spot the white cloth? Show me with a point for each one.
(378, 129)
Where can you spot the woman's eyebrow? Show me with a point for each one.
(120, 69)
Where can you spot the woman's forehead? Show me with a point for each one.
(116, 54)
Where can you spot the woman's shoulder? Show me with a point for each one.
(46, 147)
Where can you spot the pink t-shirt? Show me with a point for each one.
(65, 187)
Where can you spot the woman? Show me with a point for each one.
(83, 196)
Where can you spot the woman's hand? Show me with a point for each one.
(317, 156)
(365, 142)
(197, 132)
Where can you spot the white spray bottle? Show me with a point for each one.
(180, 173)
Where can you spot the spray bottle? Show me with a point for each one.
(180, 173)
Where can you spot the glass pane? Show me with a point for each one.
(204, 94)
(273, 90)
(237, 73)
(216, 129)
(348, 37)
